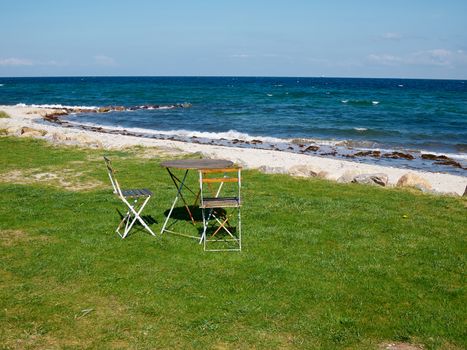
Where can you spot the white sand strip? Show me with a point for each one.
(276, 161)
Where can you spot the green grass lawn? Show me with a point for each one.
(323, 266)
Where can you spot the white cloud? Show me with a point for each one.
(104, 60)
(13, 61)
(16, 62)
(435, 57)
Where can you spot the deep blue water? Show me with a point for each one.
(427, 115)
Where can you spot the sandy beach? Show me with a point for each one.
(28, 121)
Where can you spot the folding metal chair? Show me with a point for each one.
(134, 209)
(218, 210)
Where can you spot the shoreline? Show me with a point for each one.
(29, 121)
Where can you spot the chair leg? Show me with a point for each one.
(205, 226)
(224, 224)
(133, 214)
(140, 219)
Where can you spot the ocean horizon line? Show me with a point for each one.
(228, 76)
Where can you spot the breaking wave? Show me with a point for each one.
(361, 102)
(55, 106)
(183, 133)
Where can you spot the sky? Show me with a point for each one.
(334, 38)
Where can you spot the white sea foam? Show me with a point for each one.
(270, 95)
(2, 84)
(182, 133)
(345, 101)
(360, 129)
(55, 106)
(401, 85)
(375, 102)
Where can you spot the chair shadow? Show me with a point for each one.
(181, 213)
(221, 233)
(148, 219)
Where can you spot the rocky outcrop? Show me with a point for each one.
(311, 149)
(415, 181)
(441, 160)
(379, 179)
(375, 154)
(398, 155)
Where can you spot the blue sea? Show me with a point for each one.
(341, 116)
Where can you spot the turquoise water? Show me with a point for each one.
(385, 114)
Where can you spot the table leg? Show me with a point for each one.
(179, 191)
(175, 179)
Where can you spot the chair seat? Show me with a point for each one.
(220, 202)
(144, 192)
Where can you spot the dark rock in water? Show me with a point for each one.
(333, 153)
(398, 155)
(450, 162)
(290, 147)
(442, 160)
(434, 157)
(119, 108)
(311, 149)
(375, 154)
(104, 109)
(254, 142)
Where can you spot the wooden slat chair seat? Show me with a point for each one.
(136, 193)
(133, 213)
(224, 202)
(214, 183)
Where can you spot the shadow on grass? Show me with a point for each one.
(181, 213)
(148, 219)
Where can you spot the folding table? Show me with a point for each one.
(185, 165)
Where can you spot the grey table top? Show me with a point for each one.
(197, 164)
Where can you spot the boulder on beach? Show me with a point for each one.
(303, 171)
(13, 130)
(415, 181)
(324, 175)
(379, 179)
(272, 170)
(31, 132)
(348, 176)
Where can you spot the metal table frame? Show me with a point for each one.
(187, 165)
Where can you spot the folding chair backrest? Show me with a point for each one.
(210, 177)
(113, 180)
